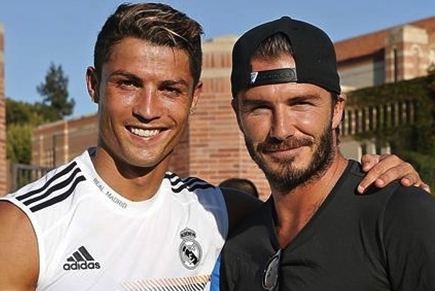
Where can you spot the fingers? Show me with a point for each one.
(372, 165)
(425, 187)
(406, 173)
(368, 161)
(384, 169)
(420, 184)
(388, 169)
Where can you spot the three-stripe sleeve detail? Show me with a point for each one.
(190, 183)
(48, 194)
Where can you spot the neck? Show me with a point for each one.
(133, 183)
(295, 208)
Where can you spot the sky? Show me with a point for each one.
(38, 33)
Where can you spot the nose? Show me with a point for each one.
(282, 126)
(146, 105)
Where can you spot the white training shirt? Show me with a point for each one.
(91, 238)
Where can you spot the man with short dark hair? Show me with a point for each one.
(114, 218)
(315, 232)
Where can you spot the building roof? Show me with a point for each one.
(371, 43)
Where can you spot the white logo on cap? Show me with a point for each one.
(253, 77)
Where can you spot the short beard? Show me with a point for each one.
(286, 178)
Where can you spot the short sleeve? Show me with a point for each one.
(409, 239)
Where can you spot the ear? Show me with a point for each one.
(338, 111)
(197, 91)
(92, 84)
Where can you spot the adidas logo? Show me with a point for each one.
(81, 260)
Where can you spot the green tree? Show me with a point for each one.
(19, 145)
(413, 142)
(54, 91)
(22, 117)
(19, 112)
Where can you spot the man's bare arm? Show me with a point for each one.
(18, 250)
(383, 169)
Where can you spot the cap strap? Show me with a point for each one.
(273, 77)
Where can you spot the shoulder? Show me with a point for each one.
(18, 249)
(408, 235)
(54, 187)
(247, 250)
(50, 198)
(194, 190)
(189, 184)
(239, 206)
(411, 204)
(408, 220)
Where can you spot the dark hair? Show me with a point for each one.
(273, 47)
(156, 23)
(242, 185)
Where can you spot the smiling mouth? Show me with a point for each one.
(280, 150)
(290, 145)
(144, 132)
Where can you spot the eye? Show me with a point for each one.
(256, 109)
(259, 108)
(126, 83)
(171, 91)
(303, 103)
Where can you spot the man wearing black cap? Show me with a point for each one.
(115, 218)
(315, 232)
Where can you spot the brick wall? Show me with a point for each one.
(407, 53)
(212, 147)
(180, 160)
(217, 148)
(59, 142)
(3, 167)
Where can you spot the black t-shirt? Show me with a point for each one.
(383, 240)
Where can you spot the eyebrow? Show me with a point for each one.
(126, 74)
(134, 77)
(305, 97)
(181, 82)
(259, 101)
(253, 102)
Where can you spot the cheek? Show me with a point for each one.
(175, 113)
(255, 128)
(312, 123)
(114, 101)
(180, 117)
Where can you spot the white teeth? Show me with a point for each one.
(144, 132)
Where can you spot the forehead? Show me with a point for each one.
(138, 55)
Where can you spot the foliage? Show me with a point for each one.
(54, 91)
(22, 117)
(412, 142)
(19, 112)
(19, 145)
(424, 164)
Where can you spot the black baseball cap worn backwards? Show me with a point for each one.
(313, 53)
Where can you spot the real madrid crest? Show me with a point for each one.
(190, 250)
